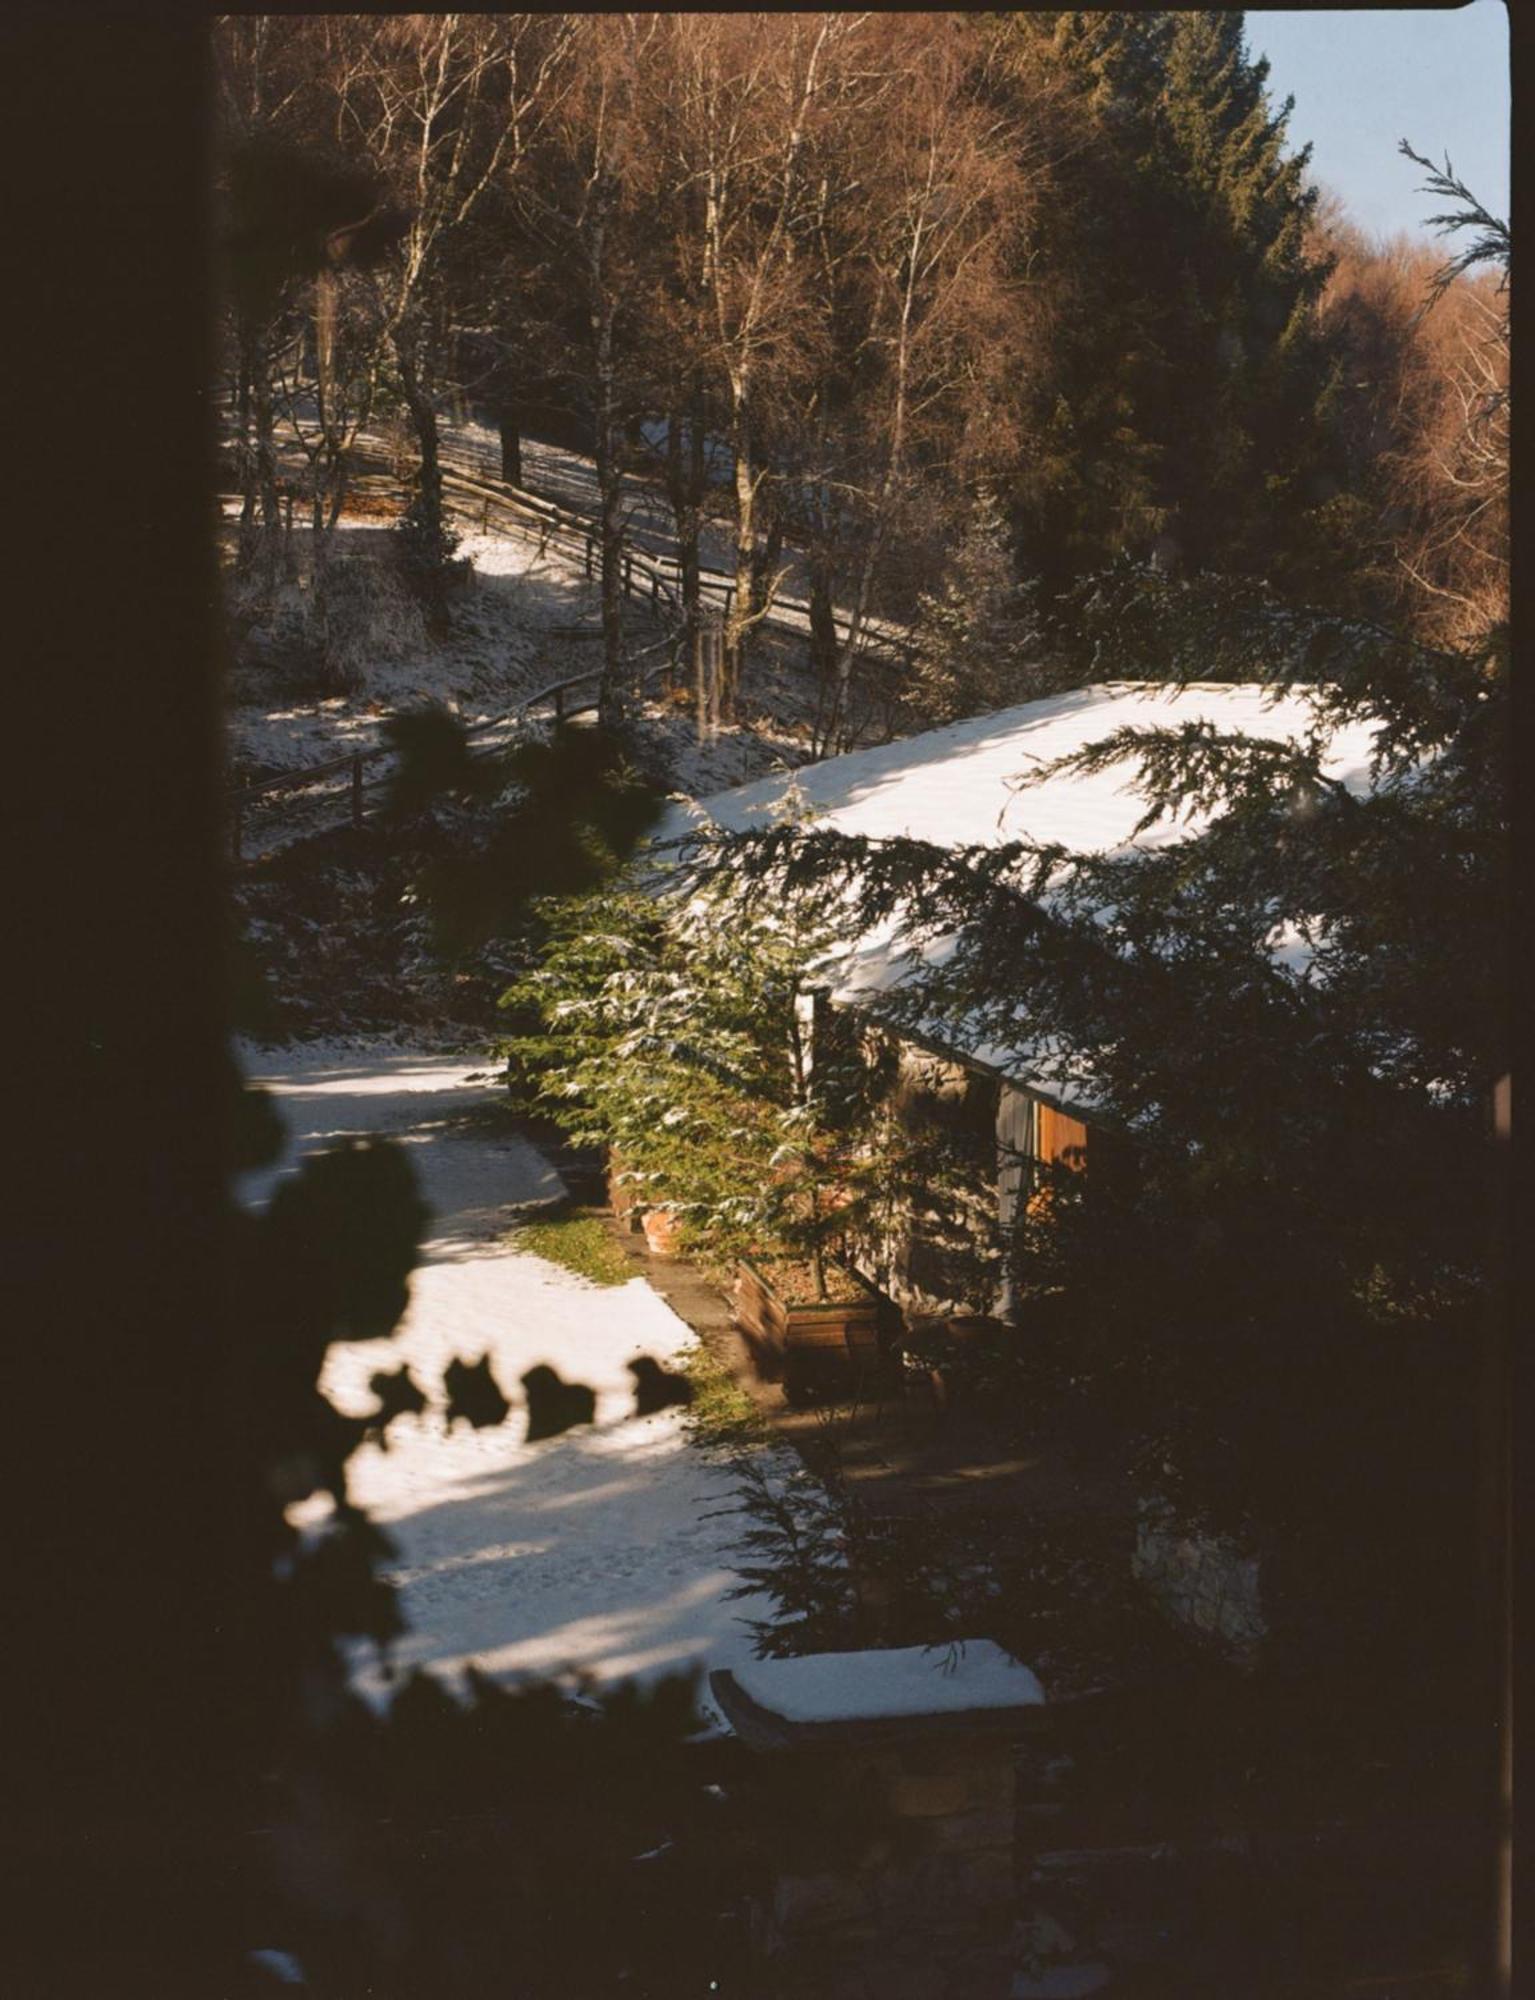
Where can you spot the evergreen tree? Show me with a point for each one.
(1247, 464)
(1086, 481)
(1279, 1311)
(1185, 417)
(976, 639)
(670, 1032)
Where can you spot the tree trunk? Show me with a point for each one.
(738, 619)
(423, 421)
(261, 537)
(247, 455)
(823, 654)
(266, 457)
(765, 568)
(612, 694)
(426, 509)
(685, 486)
(511, 443)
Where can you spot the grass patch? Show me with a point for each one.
(578, 1240)
(721, 1415)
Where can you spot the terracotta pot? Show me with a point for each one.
(661, 1229)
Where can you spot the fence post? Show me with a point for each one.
(700, 685)
(356, 789)
(591, 550)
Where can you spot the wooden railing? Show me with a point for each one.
(476, 496)
(488, 503)
(351, 768)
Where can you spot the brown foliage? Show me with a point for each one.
(1425, 414)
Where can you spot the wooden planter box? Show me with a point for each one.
(808, 1345)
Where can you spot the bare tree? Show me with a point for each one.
(751, 90)
(589, 206)
(325, 383)
(1423, 411)
(258, 85)
(444, 107)
(1457, 468)
(926, 319)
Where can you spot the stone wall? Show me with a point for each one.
(942, 1878)
(1204, 1581)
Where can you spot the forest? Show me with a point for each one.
(686, 512)
(1032, 293)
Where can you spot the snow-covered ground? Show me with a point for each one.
(513, 629)
(601, 1550)
(512, 636)
(528, 620)
(555, 472)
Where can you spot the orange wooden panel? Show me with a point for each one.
(1059, 1135)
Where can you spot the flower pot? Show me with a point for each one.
(661, 1229)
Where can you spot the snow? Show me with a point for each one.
(569, 478)
(526, 623)
(514, 633)
(904, 1681)
(600, 1551)
(959, 787)
(502, 651)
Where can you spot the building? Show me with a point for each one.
(958, 787)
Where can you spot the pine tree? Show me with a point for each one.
(1185, 413)
(976, 638)
(1246, 464)
(670, 1034)
(1086, 482)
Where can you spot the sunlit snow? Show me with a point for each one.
(602, 1550)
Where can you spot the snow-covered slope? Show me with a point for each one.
(598, 1550)
(511, 637)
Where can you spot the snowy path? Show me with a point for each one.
(594, 1550)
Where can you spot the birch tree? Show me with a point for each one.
(588, 213)
(256, 86)
(444, 107)
(914, 274)
(752, 89)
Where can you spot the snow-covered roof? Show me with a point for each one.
(959, 787)
(909, 1684)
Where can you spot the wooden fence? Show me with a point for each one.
(475, 495)
(348, 775)
(489, 504)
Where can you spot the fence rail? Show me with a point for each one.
(477, 495)
(486, 502)
(557, 696)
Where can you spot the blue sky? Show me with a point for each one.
(1361, 80)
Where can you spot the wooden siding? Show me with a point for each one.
(1060, 1138)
